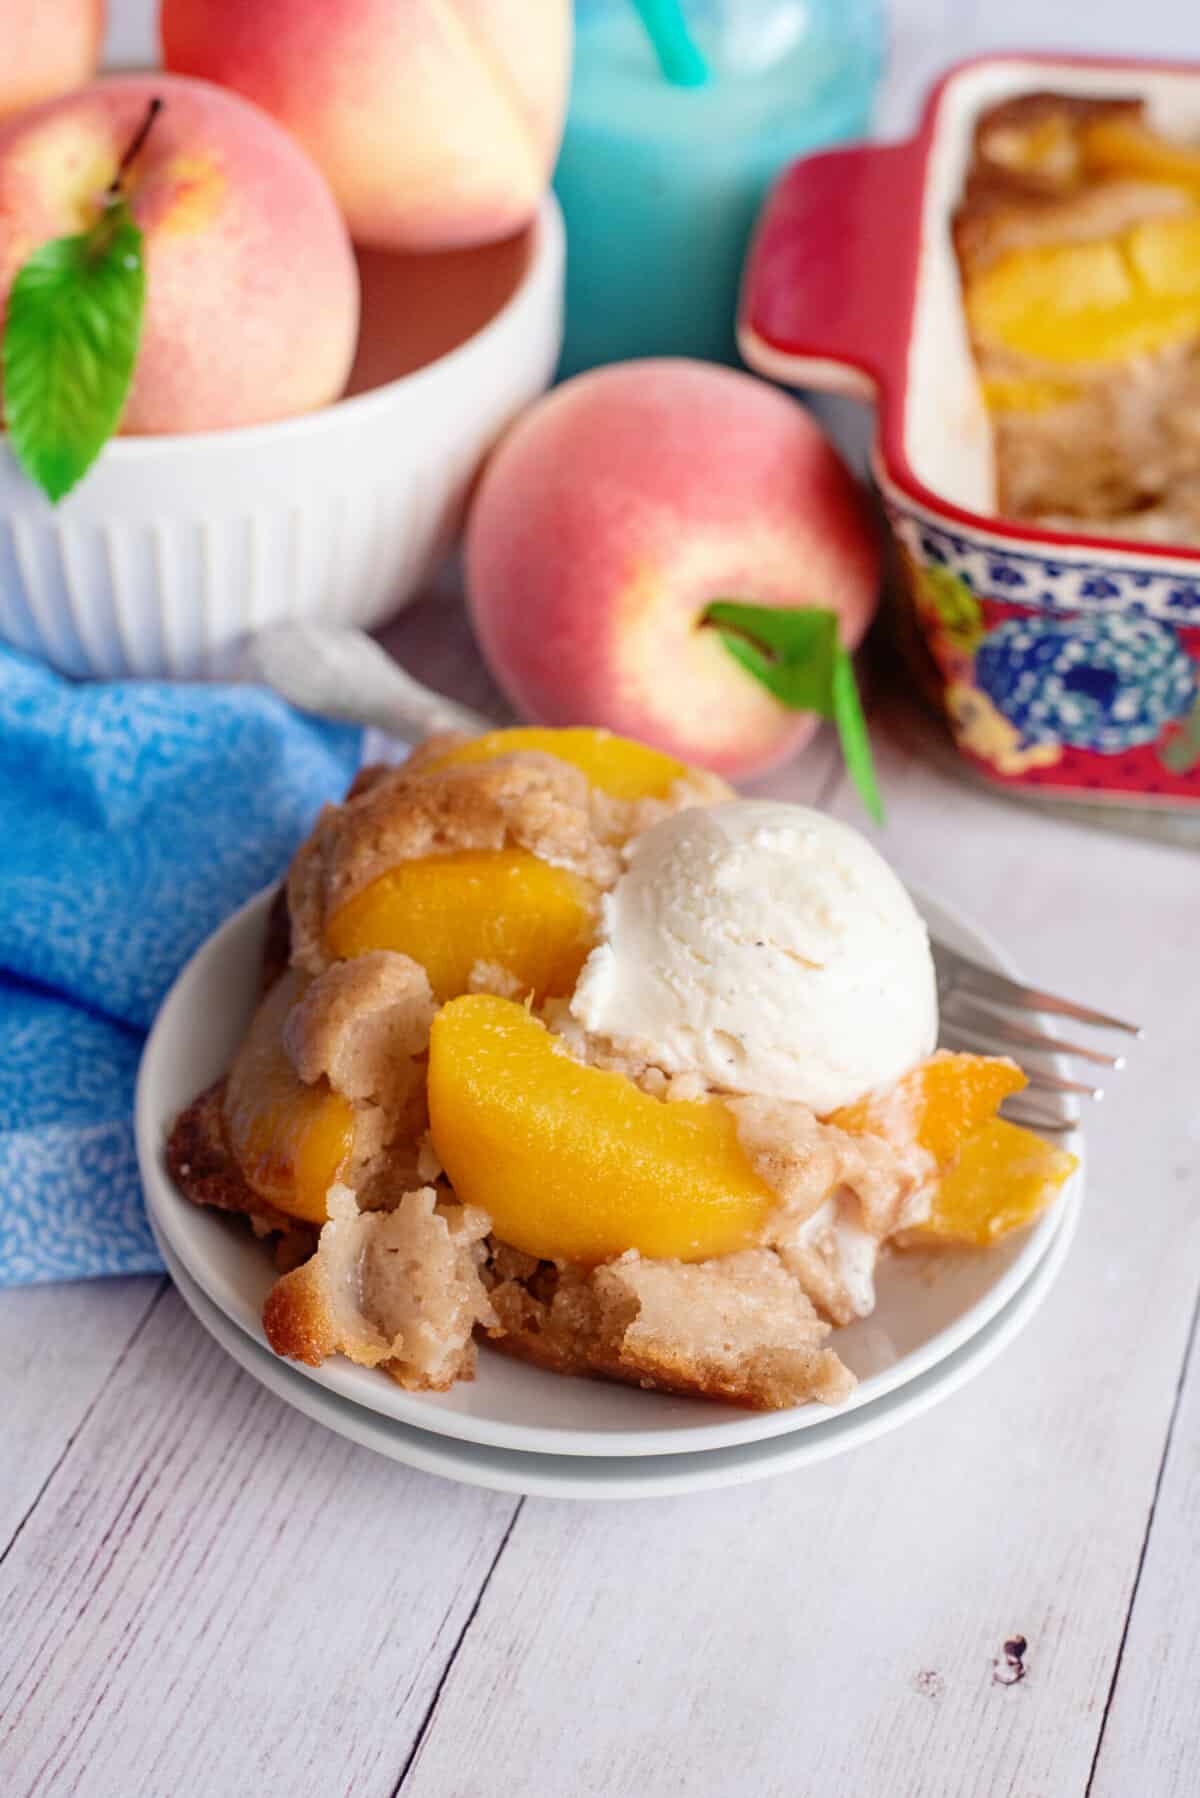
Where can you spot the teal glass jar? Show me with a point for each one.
(660, 184)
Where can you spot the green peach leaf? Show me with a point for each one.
(70, 345)
(796, 653)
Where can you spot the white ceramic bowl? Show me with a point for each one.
(172, 547)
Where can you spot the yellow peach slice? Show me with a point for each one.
(1061, 303)
(576, 1163)
(615, 765)
(1015, 393)
(1096, 302)
(1164, 256)
(1002, 1179)
(940, 1104)
(1116, 146)
(474, 905)
(291, 1141)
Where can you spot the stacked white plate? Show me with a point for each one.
(940, 1318)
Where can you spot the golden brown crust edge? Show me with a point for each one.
(758, 1392)
(575, 1323)
(1001, 189)
(203, 1168)
(399, 1289)
(300, 1326)
(297, 1319)
(200, 1160)
(574, 1336)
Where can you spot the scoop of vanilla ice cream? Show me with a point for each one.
(766, 947)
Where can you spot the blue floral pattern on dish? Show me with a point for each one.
(1030, 578)
(1106, 683)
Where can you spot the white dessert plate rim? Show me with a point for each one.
(504, 1408)
(542, 1475)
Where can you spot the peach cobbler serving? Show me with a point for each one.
(564, 1047)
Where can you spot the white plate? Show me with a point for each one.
(928, 1305)
(635, 1476)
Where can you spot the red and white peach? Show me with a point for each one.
(617, 510)
(436, 125)
(251, 287)
(46, 47)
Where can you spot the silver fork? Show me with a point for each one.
(976, 1007)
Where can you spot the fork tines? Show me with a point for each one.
(976, 1004)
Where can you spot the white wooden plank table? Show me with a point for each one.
(202, 1595)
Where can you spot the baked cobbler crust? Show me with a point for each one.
(739, 1328)
(204, 1169)
(1120, 444)
(404, 1277)
(397, 1288)
(526, 800)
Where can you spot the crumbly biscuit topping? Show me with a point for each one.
(1111, 436)
(361, 1024)
(398, 1289)
(403, 1274)
(525, 800)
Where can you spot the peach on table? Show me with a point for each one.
(624, 504)
(251, 306)
(436, 125)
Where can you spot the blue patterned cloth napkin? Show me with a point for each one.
(134, 817)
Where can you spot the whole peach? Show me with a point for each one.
(617, 510)
(251, 287)
(46, 47)
(436, 121)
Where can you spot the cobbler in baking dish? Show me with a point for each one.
(563, 1048)
(1078, 243)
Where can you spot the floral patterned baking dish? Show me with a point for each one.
(1067, 665)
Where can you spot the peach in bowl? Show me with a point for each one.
(435, 126)
(274, 458)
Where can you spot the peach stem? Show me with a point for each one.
(113, 190)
